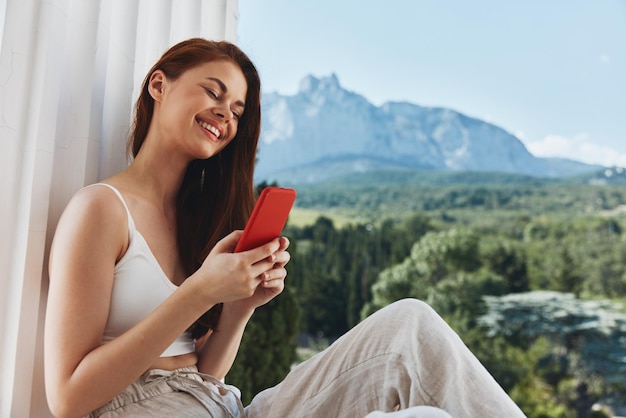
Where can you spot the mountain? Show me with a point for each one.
(325, 131)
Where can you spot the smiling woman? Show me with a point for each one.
(143, 267)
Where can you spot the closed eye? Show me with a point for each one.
(211, 92)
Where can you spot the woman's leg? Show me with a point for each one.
(404, 355)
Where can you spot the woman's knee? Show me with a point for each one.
(410, 308)
(404, 315)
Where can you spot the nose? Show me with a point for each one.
(219, 112)
(222, 112)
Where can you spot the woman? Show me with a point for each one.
(148, 303)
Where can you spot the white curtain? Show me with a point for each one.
(69, 70)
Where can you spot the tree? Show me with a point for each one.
(337, 267)
(566, 276)
(507, 259)
(435, 257)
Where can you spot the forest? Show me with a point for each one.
(531, 273)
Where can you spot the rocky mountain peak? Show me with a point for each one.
(325, 131)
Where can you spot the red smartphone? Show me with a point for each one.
(268, 217)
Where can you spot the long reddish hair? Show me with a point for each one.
(217, 194)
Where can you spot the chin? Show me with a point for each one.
(208, 153)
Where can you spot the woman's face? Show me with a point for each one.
(199, 112)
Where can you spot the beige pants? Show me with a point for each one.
(182, 393)
(403, 357)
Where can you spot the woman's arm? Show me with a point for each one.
(218, 353)
(82, 374)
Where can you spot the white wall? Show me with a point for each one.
(68, 74)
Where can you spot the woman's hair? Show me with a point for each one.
(217, 194)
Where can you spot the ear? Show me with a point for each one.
(156, 85)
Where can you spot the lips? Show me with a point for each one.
(206, 126)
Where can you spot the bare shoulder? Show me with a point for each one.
(94, 217)
(97, 204)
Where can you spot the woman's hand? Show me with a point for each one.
(250, 278)
(272, 280)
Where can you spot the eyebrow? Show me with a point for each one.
(225, 90)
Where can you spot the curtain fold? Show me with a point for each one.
(69, 74)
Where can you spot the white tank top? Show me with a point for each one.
(139, 286)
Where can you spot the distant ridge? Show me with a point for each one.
(324, 132)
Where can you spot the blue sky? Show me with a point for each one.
(552, 72)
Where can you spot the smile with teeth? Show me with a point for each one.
(209, 128)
